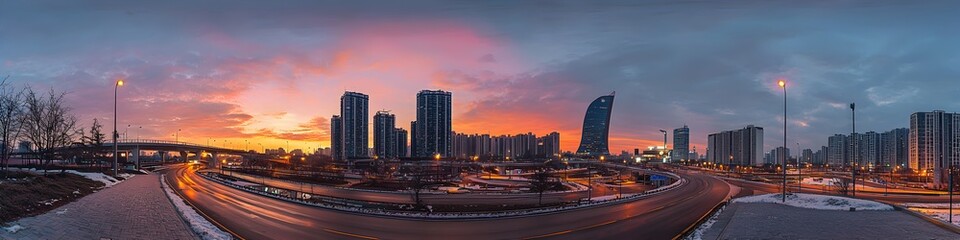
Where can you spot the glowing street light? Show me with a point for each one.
(783, 85)
(116, 156)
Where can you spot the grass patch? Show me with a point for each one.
(26, 194)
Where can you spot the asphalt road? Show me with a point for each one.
(251, 216)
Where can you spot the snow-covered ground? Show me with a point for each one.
(814, 201)
(200, 225)
(941, 213)
(99, 177)
(820, 181)
(956, 206)
(698, 233)
(13, 229)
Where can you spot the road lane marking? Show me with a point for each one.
(348, 234)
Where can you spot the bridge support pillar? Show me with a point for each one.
(163, 157)
(136, 156)
(214, 161)
(185, 156)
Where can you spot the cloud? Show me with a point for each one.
(884, 96)
(513, 68)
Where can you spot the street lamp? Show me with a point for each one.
(116, 157)
(783, 85)
(853, 171)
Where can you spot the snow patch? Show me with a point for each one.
(14, 228)
(942, 214)
(931, 205)
(200, 225)
(63, 211)
(698, 233)
(100, 177)
(814, 201)
(820, 181)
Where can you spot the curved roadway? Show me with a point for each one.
(251, 216)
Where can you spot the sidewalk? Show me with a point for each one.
(775, 221)
(134, 209)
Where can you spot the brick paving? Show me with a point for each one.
(134, 209)
(775, 221)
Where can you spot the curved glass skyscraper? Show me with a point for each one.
(596, 127)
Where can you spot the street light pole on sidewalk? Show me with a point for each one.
(853, 169)
(116, 157)
(783, 85)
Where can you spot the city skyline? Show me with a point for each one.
(215, 76)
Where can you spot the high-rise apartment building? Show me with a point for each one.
(935, 143)
(505, 147)
(742, 147)
(596, 127)
(434, 127)
(870, 149)
(384, 135)
(401, 142)
(806, 156)
(894, 147)
(837, 150)
(779, 156)
(681, 144)
(353, 112)
(336, 138)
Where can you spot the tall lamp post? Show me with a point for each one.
(783, 85)
(116, 157)
(853, 170)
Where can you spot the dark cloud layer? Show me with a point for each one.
(710, 65)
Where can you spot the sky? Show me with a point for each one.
(257, 73)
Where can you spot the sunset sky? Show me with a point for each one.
(274, 72)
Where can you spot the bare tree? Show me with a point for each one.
(11, 113)
(48, 123)
(95, 141)
(417, 184)
(541, 182)
(842, 185)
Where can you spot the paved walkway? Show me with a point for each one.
(775, 221)
(134, 209)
